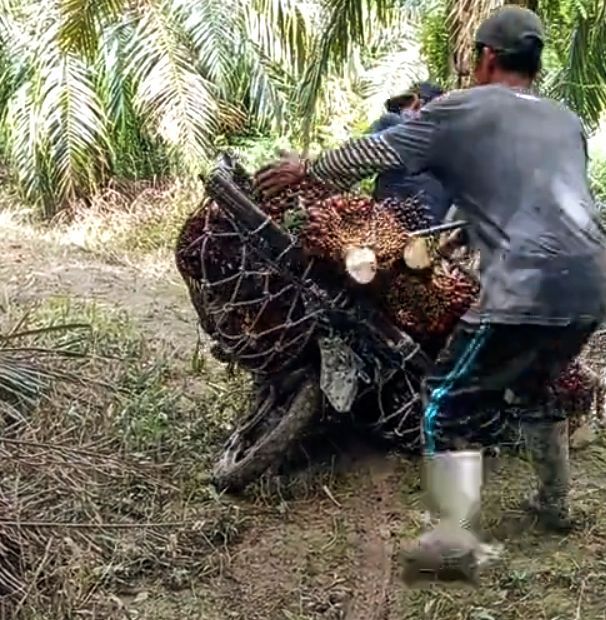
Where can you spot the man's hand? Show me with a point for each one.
(288, 170)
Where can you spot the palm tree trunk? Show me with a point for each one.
(465, 18)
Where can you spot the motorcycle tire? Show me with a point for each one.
(243, 461)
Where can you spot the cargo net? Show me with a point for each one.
(266, 319)
(256, 316)
(263, 319)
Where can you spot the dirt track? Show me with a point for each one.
(328, 551)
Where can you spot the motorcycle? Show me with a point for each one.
(315, 344)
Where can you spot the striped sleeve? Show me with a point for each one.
(354, 161)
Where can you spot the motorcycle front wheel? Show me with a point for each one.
(267, 433)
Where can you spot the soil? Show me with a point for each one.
(155, 299)
(326, 547)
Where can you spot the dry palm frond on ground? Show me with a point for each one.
(86, 507)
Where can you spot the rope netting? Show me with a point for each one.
(267, 313)
(258, 316)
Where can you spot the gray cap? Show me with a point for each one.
(508, 29)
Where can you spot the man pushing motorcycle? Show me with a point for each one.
(516, 165)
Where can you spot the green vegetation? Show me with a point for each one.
(597, 173)
(112, 412)
(97, 92)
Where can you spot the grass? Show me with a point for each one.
(104, 482)
(136, 223)
(120, 226)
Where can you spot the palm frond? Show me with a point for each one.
(76, 127)
(391, 60)
(283, 29)
(56, 129)
(14, 55)
(115, 86)
(580, 78)
(179, 104)
(346, 24)
(81, 21)
(28, 372)
(214, 28)
(390, 76)
(26, 143)
(266, 89)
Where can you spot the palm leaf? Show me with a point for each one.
(395, 63)
(26, 142)
(29, 372)
(81, 21)
(580, 80)
(283, 29)
(266, 88)
(346, 23)
(76, 127)
(114, 84)
(56, 128)
(214, 28)
(178, 103)
(14, 55)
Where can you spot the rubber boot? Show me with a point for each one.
(451, 551)
(548, 450)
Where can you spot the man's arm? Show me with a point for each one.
(411, 145)
(408, 145)
(353, 161)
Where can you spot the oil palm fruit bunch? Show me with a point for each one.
(341, 223)
(255, 316)
(428, 305)
(295, 198)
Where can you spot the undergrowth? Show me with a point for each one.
(116, 225)
(104, 478)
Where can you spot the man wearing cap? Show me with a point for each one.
(516, 166)
(400, 183)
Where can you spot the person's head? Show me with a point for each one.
(401, 103)
(508, 47)
(428, 92)
(410, 102)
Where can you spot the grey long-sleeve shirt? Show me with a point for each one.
(516, 167)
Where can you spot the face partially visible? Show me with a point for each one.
(484, 67)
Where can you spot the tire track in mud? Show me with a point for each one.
(327, 558)
(375, 567)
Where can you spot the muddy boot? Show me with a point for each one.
(547, 446)
(452, 551)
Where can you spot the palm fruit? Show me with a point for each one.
(428, 305)
(576, 390)
(255, 315)
(294, 198)
(342, 222)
